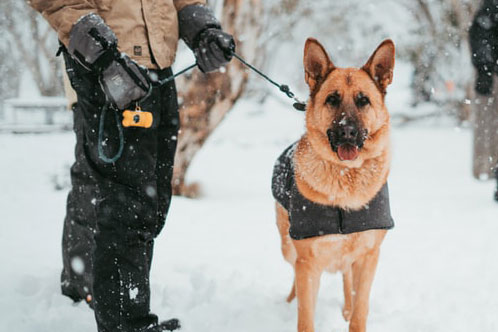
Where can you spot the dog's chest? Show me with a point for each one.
(309, 219)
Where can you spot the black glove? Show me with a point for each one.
(202, 32)
(94, 45)
(214, 50)
(484, 82)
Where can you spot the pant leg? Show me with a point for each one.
(130, 214)
(131, 199)
(80, 221)
(133, 268)
(79, 226)
(167, 142)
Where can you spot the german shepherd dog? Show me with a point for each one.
(341, 162)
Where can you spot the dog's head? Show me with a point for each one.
(346, 114)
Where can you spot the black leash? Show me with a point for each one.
(298, 105)
(172, 77)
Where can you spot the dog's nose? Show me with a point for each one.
(348, 132)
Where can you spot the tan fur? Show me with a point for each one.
(323, 178)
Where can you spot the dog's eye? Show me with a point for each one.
(362, 100)
(334, 99)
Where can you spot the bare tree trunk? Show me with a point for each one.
(465, 113)
(207, 98)
(486, 134)
(463, 16)
(37, 51)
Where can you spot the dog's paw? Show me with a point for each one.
(347, 313)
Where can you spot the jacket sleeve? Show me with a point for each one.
(180, 4)
(483, 37)
(62, 14)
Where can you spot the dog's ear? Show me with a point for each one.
(380, 66)
(317, 63)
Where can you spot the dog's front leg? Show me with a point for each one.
(347, 280)
(307, 284)
(363, 275)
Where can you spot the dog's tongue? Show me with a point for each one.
(347, 152)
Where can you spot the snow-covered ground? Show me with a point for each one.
(217, 264)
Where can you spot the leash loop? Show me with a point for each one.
(100, 140)
(285, 89)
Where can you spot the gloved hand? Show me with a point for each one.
(484, 82)
(202, 32)
(94, 45)
(214, 50)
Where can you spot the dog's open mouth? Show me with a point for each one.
(347, 151)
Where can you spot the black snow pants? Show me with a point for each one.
(114, 211)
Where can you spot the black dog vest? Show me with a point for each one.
(308, 219)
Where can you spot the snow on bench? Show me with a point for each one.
(37, 114)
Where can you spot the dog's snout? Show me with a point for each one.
(348, 132)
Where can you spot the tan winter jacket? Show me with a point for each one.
(147, 30)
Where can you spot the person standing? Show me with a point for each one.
(116, 55)
(483, 38)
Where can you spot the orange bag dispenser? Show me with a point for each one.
(137, 118)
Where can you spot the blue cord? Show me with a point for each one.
(102, 156)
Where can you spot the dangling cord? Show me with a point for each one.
(100, 142)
